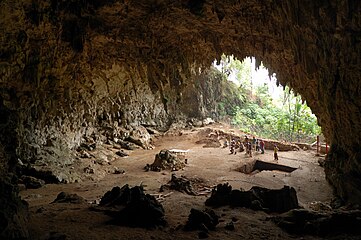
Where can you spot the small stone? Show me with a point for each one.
(121, 153)
(89, 170)
(84, 154)
(229, 226)
(119, 171)
(40, 210)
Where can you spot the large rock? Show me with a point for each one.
(64, 197)
(31, 182)
(13, 212)
(132, 207)
(201, 220)
(141, 137)
(166, 160)
(220, 196)
(257, 198)
(301, 221)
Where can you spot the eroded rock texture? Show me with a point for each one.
(71, 68)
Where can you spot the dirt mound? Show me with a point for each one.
(166, 160)
(209, 143)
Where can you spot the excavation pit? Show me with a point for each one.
(258, 166)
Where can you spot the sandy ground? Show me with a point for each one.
(213, 165)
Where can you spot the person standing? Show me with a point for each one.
(257, 145)
(250, 149)
(254, 143)
(275, 152)
(261, 146)
(233, 147)
(246, 144)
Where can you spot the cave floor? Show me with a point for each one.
(211, 165)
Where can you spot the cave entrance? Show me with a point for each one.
(253, 100)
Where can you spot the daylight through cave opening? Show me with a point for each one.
(251, 96)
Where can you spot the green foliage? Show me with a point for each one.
(256, 113)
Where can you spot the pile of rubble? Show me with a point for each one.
(257, 198)
(186, 185)
(166, 160)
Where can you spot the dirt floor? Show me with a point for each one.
(211, 165)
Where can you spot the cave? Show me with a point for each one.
(73, 69)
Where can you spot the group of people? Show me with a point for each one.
(250, 145)
(253, 144)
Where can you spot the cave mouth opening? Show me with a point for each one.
(259, 105)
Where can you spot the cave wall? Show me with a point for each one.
(70, 67)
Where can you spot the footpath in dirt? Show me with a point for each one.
(206, 165)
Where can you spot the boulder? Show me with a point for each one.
(201, 220)
(65, 197)
(140, 136)
(257, 198)
(301, 221)
(32, 182)
(47, 175)
(166, 160)
(14, 213)
(132, 207)
(127, 145)
(220, 195)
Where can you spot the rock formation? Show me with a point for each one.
(71, 68)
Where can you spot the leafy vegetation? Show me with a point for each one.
(283, 117)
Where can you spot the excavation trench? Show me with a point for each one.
(258, 166)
